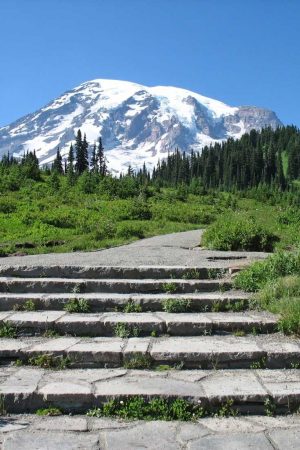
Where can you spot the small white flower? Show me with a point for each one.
(121, 402)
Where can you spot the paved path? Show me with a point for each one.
(177, 249)
(87, 433)
(209, 333)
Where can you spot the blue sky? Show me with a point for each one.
(240, 52)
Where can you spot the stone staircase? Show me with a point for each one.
(216, 350)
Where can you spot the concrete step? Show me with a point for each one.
(138, 324)
(101, 302)
(31, 431)
(100, 272)
(27, 389)
(272, 351)
(79, 285)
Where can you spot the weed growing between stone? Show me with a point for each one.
(29, 305)
(77, 305)
(8, 331)
(2, 406)
(48, 361)
(138, 362)
(78, 288)
(216, 274)
(169, 288)
(156, 409)
(124, 331)
(51, 334)
(192, 274)
(236, 306)
(176, 305)
(131, 307)
(138, 408)
(260, 364)
(269, 407)
(49, 412)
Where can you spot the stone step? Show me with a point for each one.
(27, 389)
(101, 302)
(272, 351)
(115, 272)
(78, 285)
(31, 431)
(138, 324)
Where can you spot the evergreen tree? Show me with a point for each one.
(70, 167)
(57, 165)
(81, 149)
(101, 158)
(94, 160)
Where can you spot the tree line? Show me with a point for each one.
(267, 157)
(260, 158)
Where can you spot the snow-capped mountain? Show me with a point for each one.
(137, 123)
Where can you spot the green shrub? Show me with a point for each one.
(235, 232)
(140, 209)
(259, 273)
(128, 230)
(60, 219)
(106, 229)
(282, 297)
(7, 206)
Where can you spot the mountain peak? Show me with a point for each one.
(137, 123)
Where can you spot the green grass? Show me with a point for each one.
(37, 220)
(282, 297)
(260, 273)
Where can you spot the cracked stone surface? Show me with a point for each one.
(29, 432)
(216, 351)
(177, 324)
(76, 390)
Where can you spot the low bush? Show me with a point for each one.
(282, 297)
(7, 207)
(128, 230)
(106, 229)
(260, 273)
(236, 232)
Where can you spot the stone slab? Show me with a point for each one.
(51, 441)
(35, 319)
(238, 441)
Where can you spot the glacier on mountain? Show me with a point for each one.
(137, 123)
